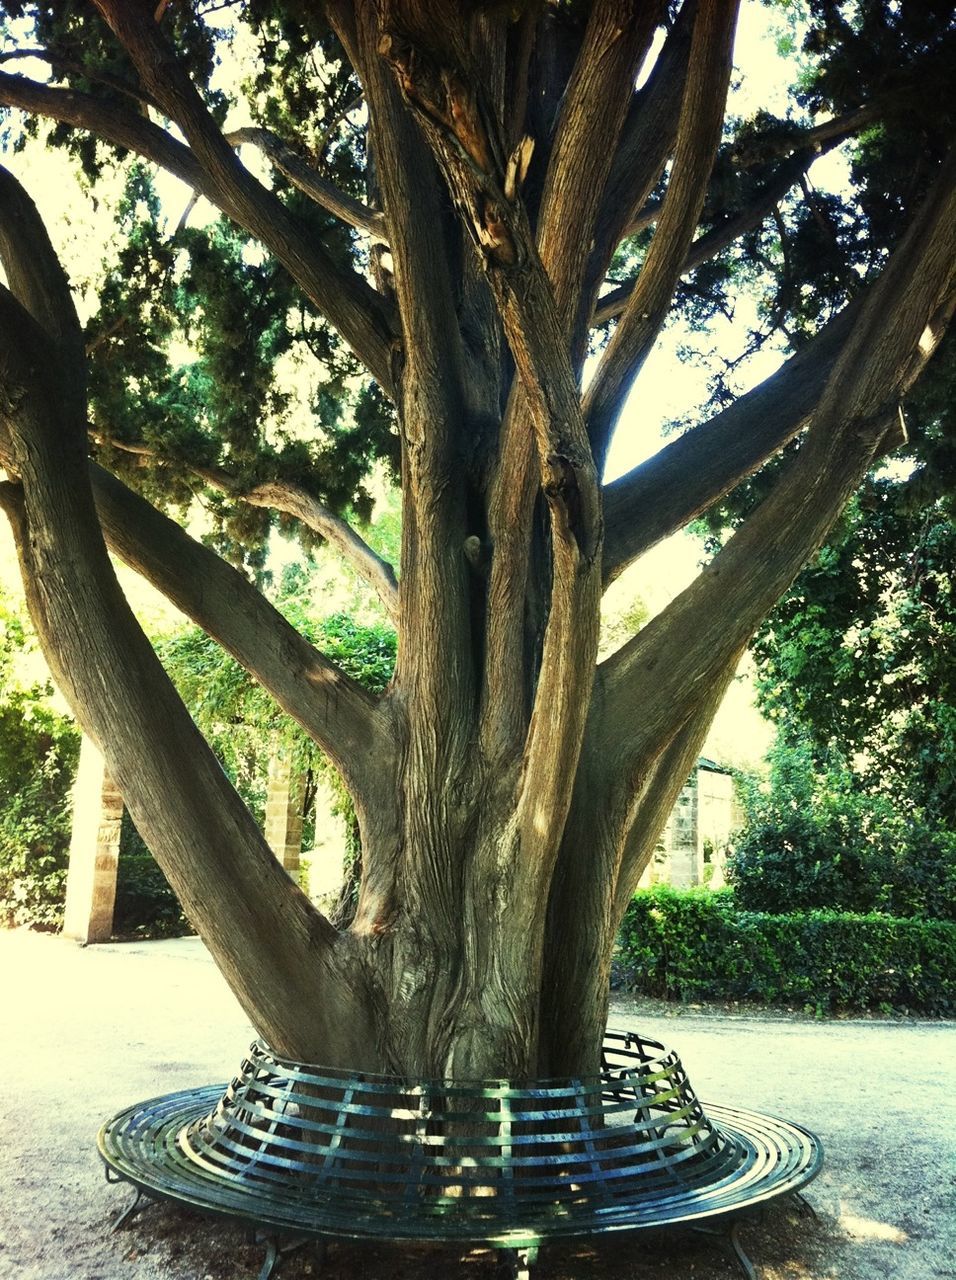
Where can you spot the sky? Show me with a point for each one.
(666, 389)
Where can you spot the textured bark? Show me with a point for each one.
(702, 112)
(324, 193)
(509, 788)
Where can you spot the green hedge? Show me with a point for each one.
(696, 945)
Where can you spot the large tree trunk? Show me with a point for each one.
(509, 788)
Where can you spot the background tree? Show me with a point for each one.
(449, 188)
(815, 837)
(856, 669)
(860, 655)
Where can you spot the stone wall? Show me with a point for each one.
(693, 845)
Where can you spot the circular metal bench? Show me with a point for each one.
(306, 1151)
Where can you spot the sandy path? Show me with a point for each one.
(86, 1031)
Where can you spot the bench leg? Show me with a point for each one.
(730, 1235)
(517, 1263)
(275, 1252)
(733, 1239)
(271, 1258)
(130, 1211)
(804, 1207)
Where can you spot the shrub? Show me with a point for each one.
(37, 757)
(815, 840)
(145, 904)
(696, 945)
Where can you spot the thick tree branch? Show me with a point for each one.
(698, 468)
(759, 148)
(655, 800)
(647, 139)
(66, 67)
(295, 500)
(205, 587)
(615, 815)
(485, 186)
(212, 851)
(511, 503)
(616, 39)
(37, 280)
(302, 175)
(899, 325)
(332, 709)
(123, 128)
(802, 150)
(702, 112)
(336, 712)
(350, 304)
(435, 397)
(594, 107)
(723, 234)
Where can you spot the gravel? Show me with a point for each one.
(89, 1030)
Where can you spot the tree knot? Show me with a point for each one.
(560, 484)
(495, 235)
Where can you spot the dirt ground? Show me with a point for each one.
(87, 1031)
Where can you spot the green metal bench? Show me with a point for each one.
(308, 1152)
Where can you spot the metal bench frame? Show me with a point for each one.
(303, 1152)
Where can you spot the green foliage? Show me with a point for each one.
(38, 754)
(696, 945)
(145, 904)
(620, 626)
(34, 842)
(80, 48)
(239, 719)
(864, 52)
(814, 838)
(267, 393)
(862, 651)
(244, 725)
(39, 749)
(858, 668)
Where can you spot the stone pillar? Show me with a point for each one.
(94, 850)
(283, 825)
(684, 869)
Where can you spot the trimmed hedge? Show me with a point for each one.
(696, 945)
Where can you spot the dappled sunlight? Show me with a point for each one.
(803, 1271)
(859, 1228)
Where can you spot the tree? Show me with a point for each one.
(860, 653)
(489, 160)
(856, 668)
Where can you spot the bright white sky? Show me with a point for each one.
(666, 388)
